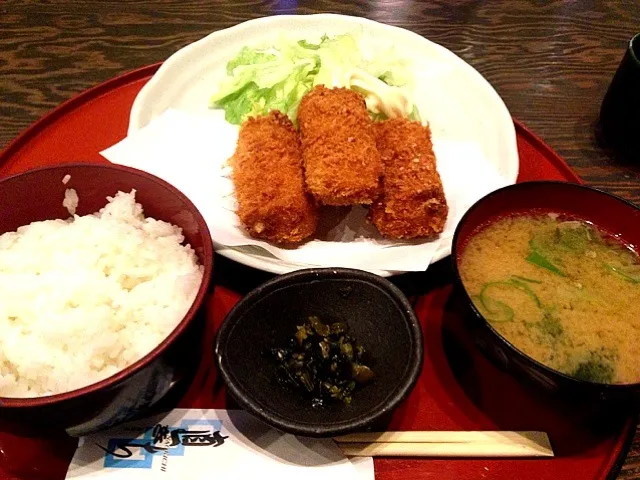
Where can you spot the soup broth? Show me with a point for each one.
(560, 290)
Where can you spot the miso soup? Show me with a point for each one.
(560, 290)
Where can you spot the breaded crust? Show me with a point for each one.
(269, 183)
(412, 203)
(341, 162)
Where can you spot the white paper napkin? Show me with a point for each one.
(190, 151)
(204, 444)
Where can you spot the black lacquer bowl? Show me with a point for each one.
(604, 210)
(378, 315)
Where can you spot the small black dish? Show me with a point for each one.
(378, 315)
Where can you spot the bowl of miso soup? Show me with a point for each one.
(551, 274)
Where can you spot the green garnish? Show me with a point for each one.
(276, 77)
(323, 362)
(550, 325)
(545, 245)
(497, 309)
(595, 370)
(574, 237)
(312, 46)
(527, 289)
(541, 261)
(525, 279)
(630, 273)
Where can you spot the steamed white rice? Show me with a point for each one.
(84, 298)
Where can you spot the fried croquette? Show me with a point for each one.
(269, 183)
(341, 162)
(412, 203)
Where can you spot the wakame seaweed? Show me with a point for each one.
(323, 362)
(595, 370)
(550, 325)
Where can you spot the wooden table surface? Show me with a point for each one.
(550, 61)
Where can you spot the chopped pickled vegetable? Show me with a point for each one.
(302, 335)
(361, 373)
(319, 327)
(323, 362)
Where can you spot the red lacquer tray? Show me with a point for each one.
(458, 389)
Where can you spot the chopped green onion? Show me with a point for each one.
(538, 259)
(525, 279)
(630, 274)
(499, 311)
(525, 288)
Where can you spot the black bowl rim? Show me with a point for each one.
(124, 374)
(319, 274)
(603, 387)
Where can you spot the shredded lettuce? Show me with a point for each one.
(277, 77)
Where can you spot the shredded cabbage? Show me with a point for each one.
(277, 77)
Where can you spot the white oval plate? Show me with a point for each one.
(459, 104)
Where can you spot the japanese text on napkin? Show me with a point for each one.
(194, 444)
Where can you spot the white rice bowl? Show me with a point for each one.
(82, 299)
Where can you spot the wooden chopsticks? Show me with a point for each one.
(446, 444)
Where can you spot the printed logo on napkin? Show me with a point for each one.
(162, 440)
(188, 442)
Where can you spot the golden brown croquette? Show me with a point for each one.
(269, 183)
(412, 203)
(341, 162)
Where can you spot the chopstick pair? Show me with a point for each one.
(446, 444)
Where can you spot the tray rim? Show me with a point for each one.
(627, 434)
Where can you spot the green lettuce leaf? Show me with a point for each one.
(277, 77)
